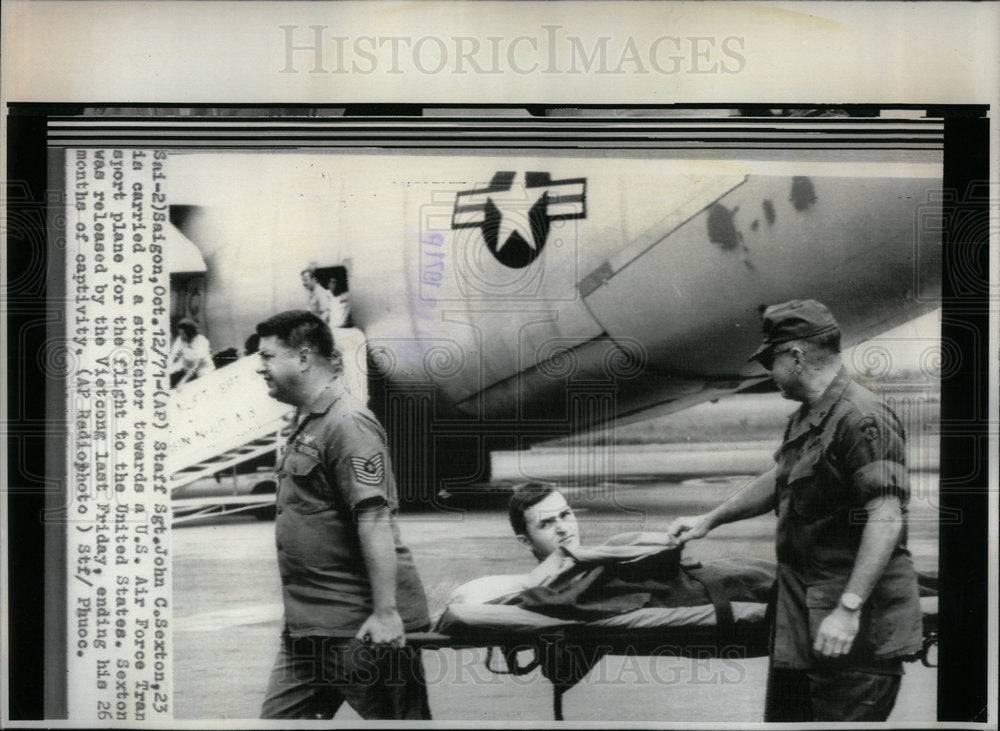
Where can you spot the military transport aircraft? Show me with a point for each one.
(507, 294)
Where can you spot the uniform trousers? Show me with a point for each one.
(313, 675)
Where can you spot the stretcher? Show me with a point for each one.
(565, 650)
(631, 596)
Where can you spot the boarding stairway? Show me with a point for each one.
(226, 460)
(224, 420)
(259, 501)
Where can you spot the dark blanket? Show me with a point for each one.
(630, 574)
(609, 580)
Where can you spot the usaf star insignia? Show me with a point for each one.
(369, 471)
(515, 212)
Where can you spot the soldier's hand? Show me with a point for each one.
(689, 527)
(836, 633)
(383, 628)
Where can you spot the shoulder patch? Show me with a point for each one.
(369, 471)
(871, 429)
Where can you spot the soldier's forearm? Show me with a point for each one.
(378, 550)
(755, 498)
(881, 533)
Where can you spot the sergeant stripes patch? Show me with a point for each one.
(369, 471)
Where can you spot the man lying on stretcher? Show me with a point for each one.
(542, 521)
(634, 582)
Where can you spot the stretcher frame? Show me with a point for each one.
(740, 641)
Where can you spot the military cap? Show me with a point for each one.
(794, 320)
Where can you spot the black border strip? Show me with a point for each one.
(826, 133)
(965, 451)
(25, 309)
(535, 110)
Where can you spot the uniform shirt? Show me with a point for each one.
(837, 456)
(336, 459)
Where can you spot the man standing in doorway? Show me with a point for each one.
(848, 608)
(322, 303)
(349, 585)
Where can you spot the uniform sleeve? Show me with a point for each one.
(873, 453)
(362, 471)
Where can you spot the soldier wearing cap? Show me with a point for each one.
(847, 607)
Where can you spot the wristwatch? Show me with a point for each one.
(850, 602)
